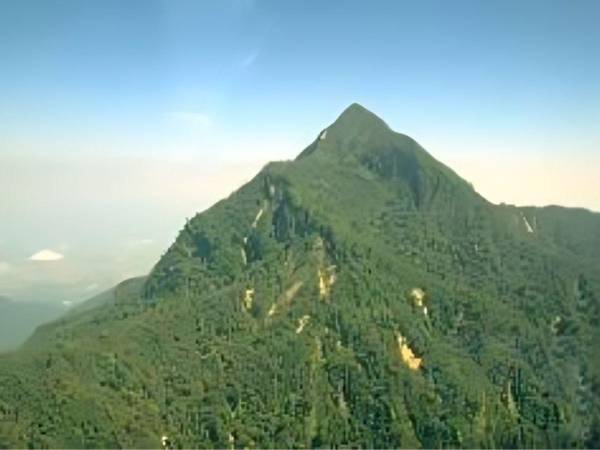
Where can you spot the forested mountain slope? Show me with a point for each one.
(361, 295)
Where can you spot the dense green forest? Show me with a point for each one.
(362, 295)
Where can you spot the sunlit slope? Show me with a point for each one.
(361, 295)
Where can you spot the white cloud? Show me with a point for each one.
(46, 255)
(196, 119)
(67, 302)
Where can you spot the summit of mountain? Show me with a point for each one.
(362, 295)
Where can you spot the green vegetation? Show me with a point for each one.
(362, 295)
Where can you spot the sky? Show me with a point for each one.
(120, 119)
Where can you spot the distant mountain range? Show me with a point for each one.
(362, 295)
(19, 319)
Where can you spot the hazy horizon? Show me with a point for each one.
(118, 121)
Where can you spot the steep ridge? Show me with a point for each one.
(361, 295)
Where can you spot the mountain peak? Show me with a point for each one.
(370, 267)
(356, 108)
(357, 115)
(355, 121)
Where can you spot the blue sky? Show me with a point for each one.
(141, 109)
(114, 71)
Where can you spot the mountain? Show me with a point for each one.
(19, 319)
(362, 295)
(131, 286)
